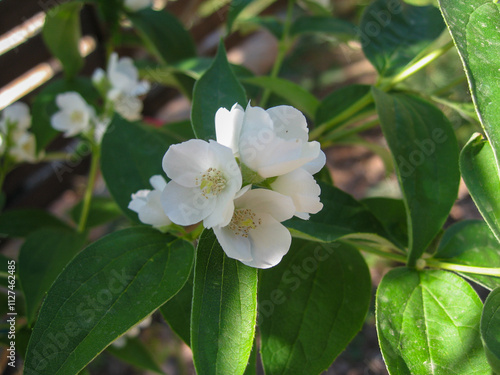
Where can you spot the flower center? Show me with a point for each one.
(76, 116)
(243, 221)
(212, 182)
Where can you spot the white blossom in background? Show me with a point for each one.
(255, 235)
(147, 204)
(14, 124)
(270, 142)
(136, 5)
(205, 179)
(132, 332)
(75, 116)
(121, 85)
(23, 147)
(16, 115)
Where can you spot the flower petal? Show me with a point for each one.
(301, 186)
(185, 206)
(158, 182)
(152, 213)
(315, 165)
(275, 204)
(138, 200)
(289, 123)
(228, 126)
(235, 246)
(71, 101)
(270, 242)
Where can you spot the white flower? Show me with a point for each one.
(75, 115)
(129, 107)
(124, 77)
(301, 186)
(16, 115)
(255, 235)
(205, 179)
(148, 206)
(135, 5)
(23, 147)
(270, 142)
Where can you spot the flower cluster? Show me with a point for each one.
(257, 174)
(16, 140)
(119, 86)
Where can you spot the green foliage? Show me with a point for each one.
(41, 259)
(471, 243)
(335, 103)
(224, 310)
(474, 28)
(61, 33)
(324, 24)
(310, 306)
(109, 287)
(297, 96)
(425, 150)
(478, 167)
(428, 323)
(23, 222)
(235, 8)
(102, 210)
(126, 166)
(137, 354)
(177, 311)
(217, 88)
(394, 33)
(490, 321)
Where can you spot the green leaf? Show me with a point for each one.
(393, 33)
(392, 214)
(235, 8)
(323, 24)
(22, 222)
(425, 152)
(131, 155)
(341, 215)
(177, 311)
(270, 23)
(164, 34)
(490, 328)
(41, 259)
(311, 305)
(471, 243)
(474, 26)
(61, 33)
(478, 167)
(102, 210)
(224, 310)
(135, 353)
(428, 323)
(335, 103)
(167, 38)
(109, 287)
(44, 106)
(296, 95)
(316, 7)
(217, 88)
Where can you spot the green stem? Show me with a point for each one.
(462, 268)
(283, 47)
(94, 166)
(337, 135)
(385, 86)
(413, 68)
(380, 253)
(4, 274)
